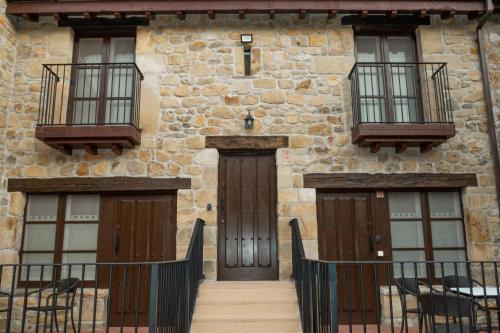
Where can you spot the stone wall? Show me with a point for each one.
(492, 47)
(194, 86)
(7, 60)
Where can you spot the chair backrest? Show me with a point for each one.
(446, 304)
(67, 285)
(457, 281)
(407, 286)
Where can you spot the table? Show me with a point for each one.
(478, 292)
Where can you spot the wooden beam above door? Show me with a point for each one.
(367, 181)
(246, 142)
(97, 184)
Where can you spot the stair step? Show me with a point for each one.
(252, 309)
(246, 307)
(251, 326)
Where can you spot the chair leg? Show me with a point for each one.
(420, 322)
(45, 313)
(403, 322)
(73, 320)
(57, 325)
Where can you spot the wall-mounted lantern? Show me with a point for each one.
(249, 121)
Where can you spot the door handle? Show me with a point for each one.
(117, 243)
(222, 207)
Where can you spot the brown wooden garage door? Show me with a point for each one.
(135, 228)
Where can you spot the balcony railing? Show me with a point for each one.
(104, 96)
(414, 96)
(103, 297)
(387, 296)
(400, 93)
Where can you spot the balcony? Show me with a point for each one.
(400, 105)
(90, 106)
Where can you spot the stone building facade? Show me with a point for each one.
(194, 86)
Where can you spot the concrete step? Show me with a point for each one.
(246, 307)
(247, 326)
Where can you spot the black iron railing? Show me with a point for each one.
(90, 94)
(388, 296)
(102, 297)
(389, 92)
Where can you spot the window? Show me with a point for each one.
(387, 78)
(104, 80)
(60, 229)
(427, 226)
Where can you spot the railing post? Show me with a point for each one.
(332, 270)
(153, 298)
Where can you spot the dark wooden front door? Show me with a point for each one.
(135, 229)
(347, 231)
(247, 217)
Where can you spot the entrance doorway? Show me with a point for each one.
(247, 241)
(135, 228)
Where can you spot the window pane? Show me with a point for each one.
(80, 237)
(122, 50)
(90, 50)
(444, 205)
(406, 234)
(404, 205)
(449, 268)
(76, 270)
(82, 207)
(39, 237)
(42, 208)
(400, 49)
(447, 234)
(368, 49)
(35, 271)
(408, 266)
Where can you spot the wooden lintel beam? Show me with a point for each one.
(77, 7)
(150, 16)
(366, 181)
(91, 149)
(302, 14)
(401, 147)
(241, 14)
(117, 149)
(181, 15)
(211, 14)
(272, 14)
(425, 147)
(448, 15)
(331, 14)
(375, 148)
(96, 184)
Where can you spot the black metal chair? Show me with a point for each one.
(450, 305)
(409, 286)
(66, 288)
(459, 281)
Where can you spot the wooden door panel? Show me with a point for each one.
(345, 227)
(247, 217)
(143, 230)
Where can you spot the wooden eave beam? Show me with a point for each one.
(80, 7)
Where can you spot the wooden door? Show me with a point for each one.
(135, 229)
(347, 232)
(247, 243)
